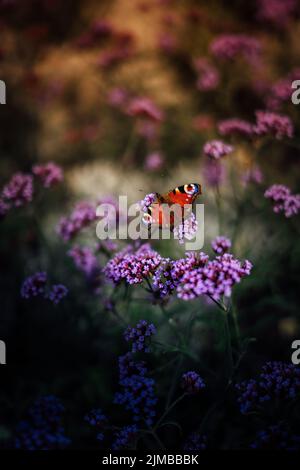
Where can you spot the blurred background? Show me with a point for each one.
(123, 95)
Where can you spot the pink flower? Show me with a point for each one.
(49, 174)
(221, 245)
(283, 200)
(278, 125)
(235, 126)
(144, 108)
(18, 191)
(82, 216)
(217, 149)
(208, 75)
(253, 175)
(154, 161)
(277, 12)
(229, 46)
(186, 230)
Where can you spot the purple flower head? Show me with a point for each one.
(19, 190)
(276, 12)
(154, 161)
(235, 127)
(283, 200)
(124, 438)
(215, 279)
(217, 149)
(144, 108)
(34, 285)
(84, 258)
(253, 175)
(221, 245)
(276, 437)
(292, 205)
(133, 267)
(192, 383)
(148, 200)
(95, 417)
(230, 46)
(187, 229)
(140, 336)
(57, 293)
(117, 97)
(208, 75)
(82, 216)
(195, 442)
(277, 125)
(214, 173)
(49, 174)
(277, 384)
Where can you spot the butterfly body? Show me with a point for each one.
(170, 209)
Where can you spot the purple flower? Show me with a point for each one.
(132, 267)
(140, 336)
(84, 258)
(276, 11)
(221, 245)
(214, 172)
(235, 127)
(253, 175)
(277, 125)
(276, 437)
(34, 285)
(154, 161)
(95, 417)
(192, 383)
(117, 97)
(283, 200)
(215, 279)
(124, 437)
(82, 216)
(18, 191)
(195, 442)
(187, 229)
(277, 384)
(147, 201)
(144, 108)
(57, 293)
(49, 174)
(229, 46)
(208, 75)
(217, 149)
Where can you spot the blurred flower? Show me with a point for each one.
(18, 191)
(82, 216)
(49, 174)
(140, 336)
(229, 127)
(277, 384)
(253, 175)
(43, 430)
(277, 12)
(186, 230)
(192, 383)
(117, 97)
(147, 201)
(132, 267)
(229, 46)
(221, 245)
(84, 258)
(137, 395)
(281, 91)
(283, 200)
(276, 437)
(214, 172)
(95, 417)
(34, 285)
(124, 437)
(195, 443)
(208, 75)
(154, 161)
(99, 30)
(167, 43)
(215, 279)
(278, 125)
(217, 149)
(144, 108)
(57, 293)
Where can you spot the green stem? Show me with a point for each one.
(167, 411)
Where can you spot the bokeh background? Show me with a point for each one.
(76, 73)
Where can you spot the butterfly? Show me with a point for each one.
(170, 209)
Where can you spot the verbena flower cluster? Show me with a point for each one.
(276, 437)
(208, 75)
(217, 149)
(277, 384)
(186, 230)
(140, 336)
(270, 123)
(43, 430)
(230, 46)
(36, 286)
(125, 437)
(192, 383)
(283, 200)
(84, 258)
(221, 245)
(82, 216)
(49, 174)
(235, 127)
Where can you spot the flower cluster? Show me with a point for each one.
(137, 395)
(140, 336)
(95, 417)
(195, 442)
(277, 125)
(221, 245)
(214, 173)
(18, 191)
(84, 258)
(82, 216)
(154, 161)
(217, 149)
(147, 201)
(36, 285)
(253, 175)
(49, 174)
(235, 127)
(124, 438)
(229, 46)
(187, 229)
(276, 11)
(215, 279)
(192, 383)
(44, 429)
(208, 75)
(283, 200)
(277, 383)
(133, 267)
(276, 437)
(144, 108)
